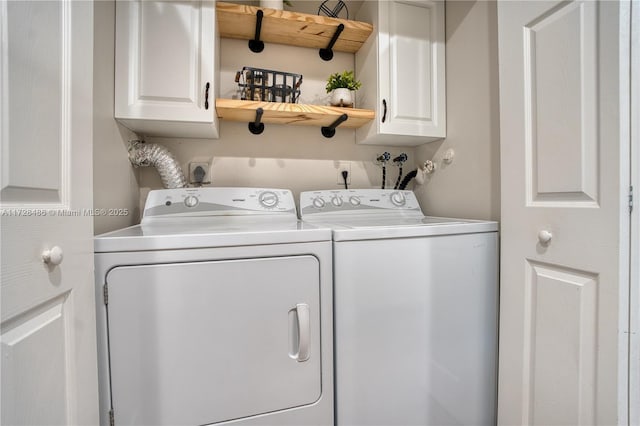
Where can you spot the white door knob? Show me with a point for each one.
(53, 256)
(544, 237)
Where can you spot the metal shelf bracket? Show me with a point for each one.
(256, 127)
(327, 53)
(330, 131)
(256, 45)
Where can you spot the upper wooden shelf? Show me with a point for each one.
(295, 114)
(291, 28)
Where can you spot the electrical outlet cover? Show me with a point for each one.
(343, 166)
(207, 172)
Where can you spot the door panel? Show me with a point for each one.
(560, 344)
(155, 18)
(411, 49)
(35, 76)
(164, 60)
(562, 351)
(30, 372)
(561, 125)
(200, 343)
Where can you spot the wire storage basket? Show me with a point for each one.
(257, 84)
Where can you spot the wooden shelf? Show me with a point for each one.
(292, 114)
(291, 28)
(294, 29)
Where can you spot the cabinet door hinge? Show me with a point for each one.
(112, 422)
(630, 199)
(105, 294)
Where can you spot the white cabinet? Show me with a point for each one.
(402, 70)
(166, 67)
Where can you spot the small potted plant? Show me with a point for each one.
(342, 86)
(275, 4)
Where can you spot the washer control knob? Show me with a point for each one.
(336, 201)
(318, 203)
(398, 199)
(268, 199)
(354, 201)
(191, 201)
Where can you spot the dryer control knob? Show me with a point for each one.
(318, 203)
(398, 199)
(354, 201)
(268, 199)
(191, 201)
(336, 201)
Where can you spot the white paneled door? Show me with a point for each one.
(47, 328)
(564, 84)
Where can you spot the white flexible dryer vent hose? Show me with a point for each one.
(143, 154)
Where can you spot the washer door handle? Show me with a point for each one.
(300, 332)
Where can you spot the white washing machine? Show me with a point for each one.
(216, 309)
(416, 307)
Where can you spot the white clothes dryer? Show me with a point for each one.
(415, 310)
(216, 309)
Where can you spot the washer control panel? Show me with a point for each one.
(358, 201)
(218, 201)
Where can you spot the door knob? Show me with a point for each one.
(53, 256)
(545, 237)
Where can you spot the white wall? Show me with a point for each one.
(114, 180)
(469, 187)
(294, 157)
(298, 157)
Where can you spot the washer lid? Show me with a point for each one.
(349, 228)
(202, 232)
(366, 214)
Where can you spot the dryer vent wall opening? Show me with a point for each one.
(143, 154)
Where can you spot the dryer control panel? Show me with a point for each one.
(358, 201)
(182, 202)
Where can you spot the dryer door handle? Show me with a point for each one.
(303, 331)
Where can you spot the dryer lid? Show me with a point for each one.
(210, 232)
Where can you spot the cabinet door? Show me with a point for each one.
(208, 342)
(165, 58)
(410, 98)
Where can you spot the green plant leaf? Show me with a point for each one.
(345, 79)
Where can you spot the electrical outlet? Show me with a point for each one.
(193, 166)
(343, 166)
